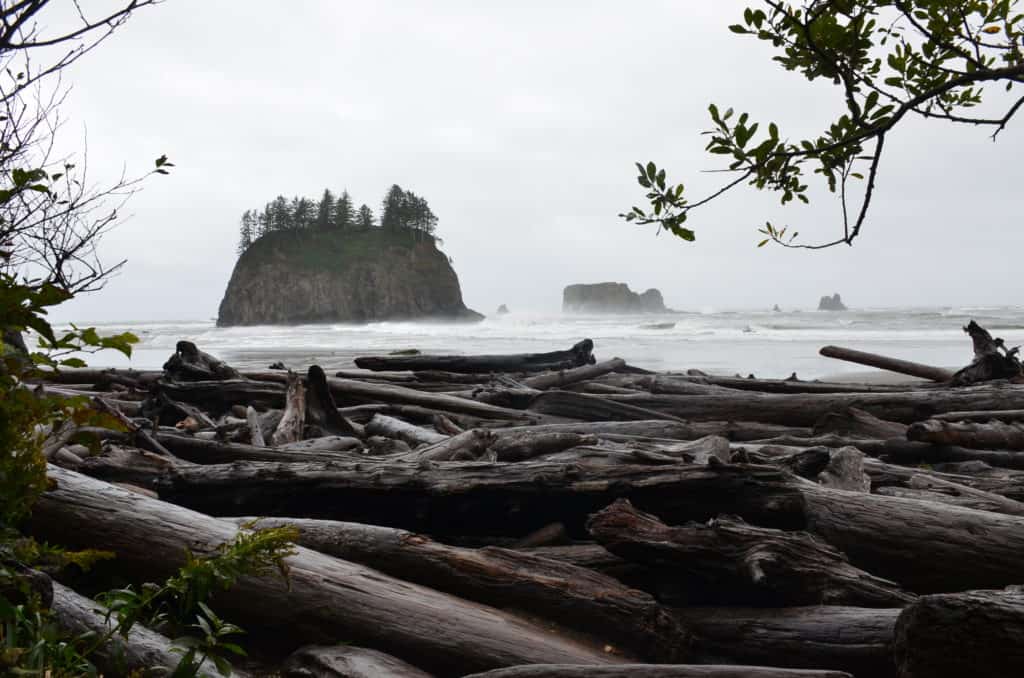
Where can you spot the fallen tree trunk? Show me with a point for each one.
(324, 598)
(566, 377)
(321, 409)
(572, 596)
(992, 360)
(670, 430)
(977, 633)
(345, 661)
(751, 564)
(806, 409)
(577, 356)
(656, 671)
(854, 639)
(991, 436)
(882, 362)
(190, 364)
(383, 425)
(585, 407)
(142, 649)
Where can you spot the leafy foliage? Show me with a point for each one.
(889, 59)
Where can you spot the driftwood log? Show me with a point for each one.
(331, 661)
(325, 598)
(573, 596)
(577, 356)
(749, 564)
(976, 633)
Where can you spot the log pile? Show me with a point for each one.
(552, 515)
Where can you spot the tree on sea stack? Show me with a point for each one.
(890, 60)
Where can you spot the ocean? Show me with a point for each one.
(764, 343)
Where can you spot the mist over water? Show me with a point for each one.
(767, 344)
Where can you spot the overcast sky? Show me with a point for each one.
(519, 122)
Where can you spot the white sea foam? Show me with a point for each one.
(778, 344)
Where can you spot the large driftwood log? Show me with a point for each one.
(383, 425)
(586, 407)
(977, 633)
(992, 360)
(573, 596)
(670, 430)
(752, 564)
(994, 435)
(345, 661)
(886, 536)
(577, 356)
(466, 446)
(190, 364)
(856, 423)
(324, 599)
(786, 385)
(217, 397)
(885, 363)
(854, 639)
(564, 378)
(142, 649)
(656, 671)
(806, 409)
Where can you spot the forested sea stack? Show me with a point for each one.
(303, 261)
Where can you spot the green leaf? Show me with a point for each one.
(652, 171)
(763, 242)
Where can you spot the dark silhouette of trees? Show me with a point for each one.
(365, 217)
(401, 210)
(325, 211)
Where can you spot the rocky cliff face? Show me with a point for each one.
(833, 303)
(610, 297)
(351, 276)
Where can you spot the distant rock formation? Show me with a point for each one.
(776, 309)
(833, 303)
(309, 276)
(610, 297)
(502, 310)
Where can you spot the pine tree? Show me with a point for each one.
(325, 211)
(281, 214)
(245, 236)
(344, 213)
(391, 209)
(365, 217)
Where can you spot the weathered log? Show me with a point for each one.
(530, 444)
(217, 397)
(592, 408)
(190, 364)
(290, 429)
(199, 451)
(983, 415)
(467, 446)
(101, 379)
(549, 534)
(856, 423)
(577, 356)
(345, 661)
(563, 378)
(886, 536)
(854, 639)
(882, 362)
(1002, 504)
(806, 409)
(938, 496)
(383, 425)
(131, 465)
(994, 435)
(752, 564)
(975, 633)
(656, 671)
(992, 360)
(790, 385)
(572, 596)
(324, 599)
(473, 498)
(670, 430)
(322, 444)
(255, 432)
(142, 650)
(321, 409)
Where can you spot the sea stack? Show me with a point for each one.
(610, 297)
(833, 303)
(355, 276)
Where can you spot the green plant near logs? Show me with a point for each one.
(889, 60)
